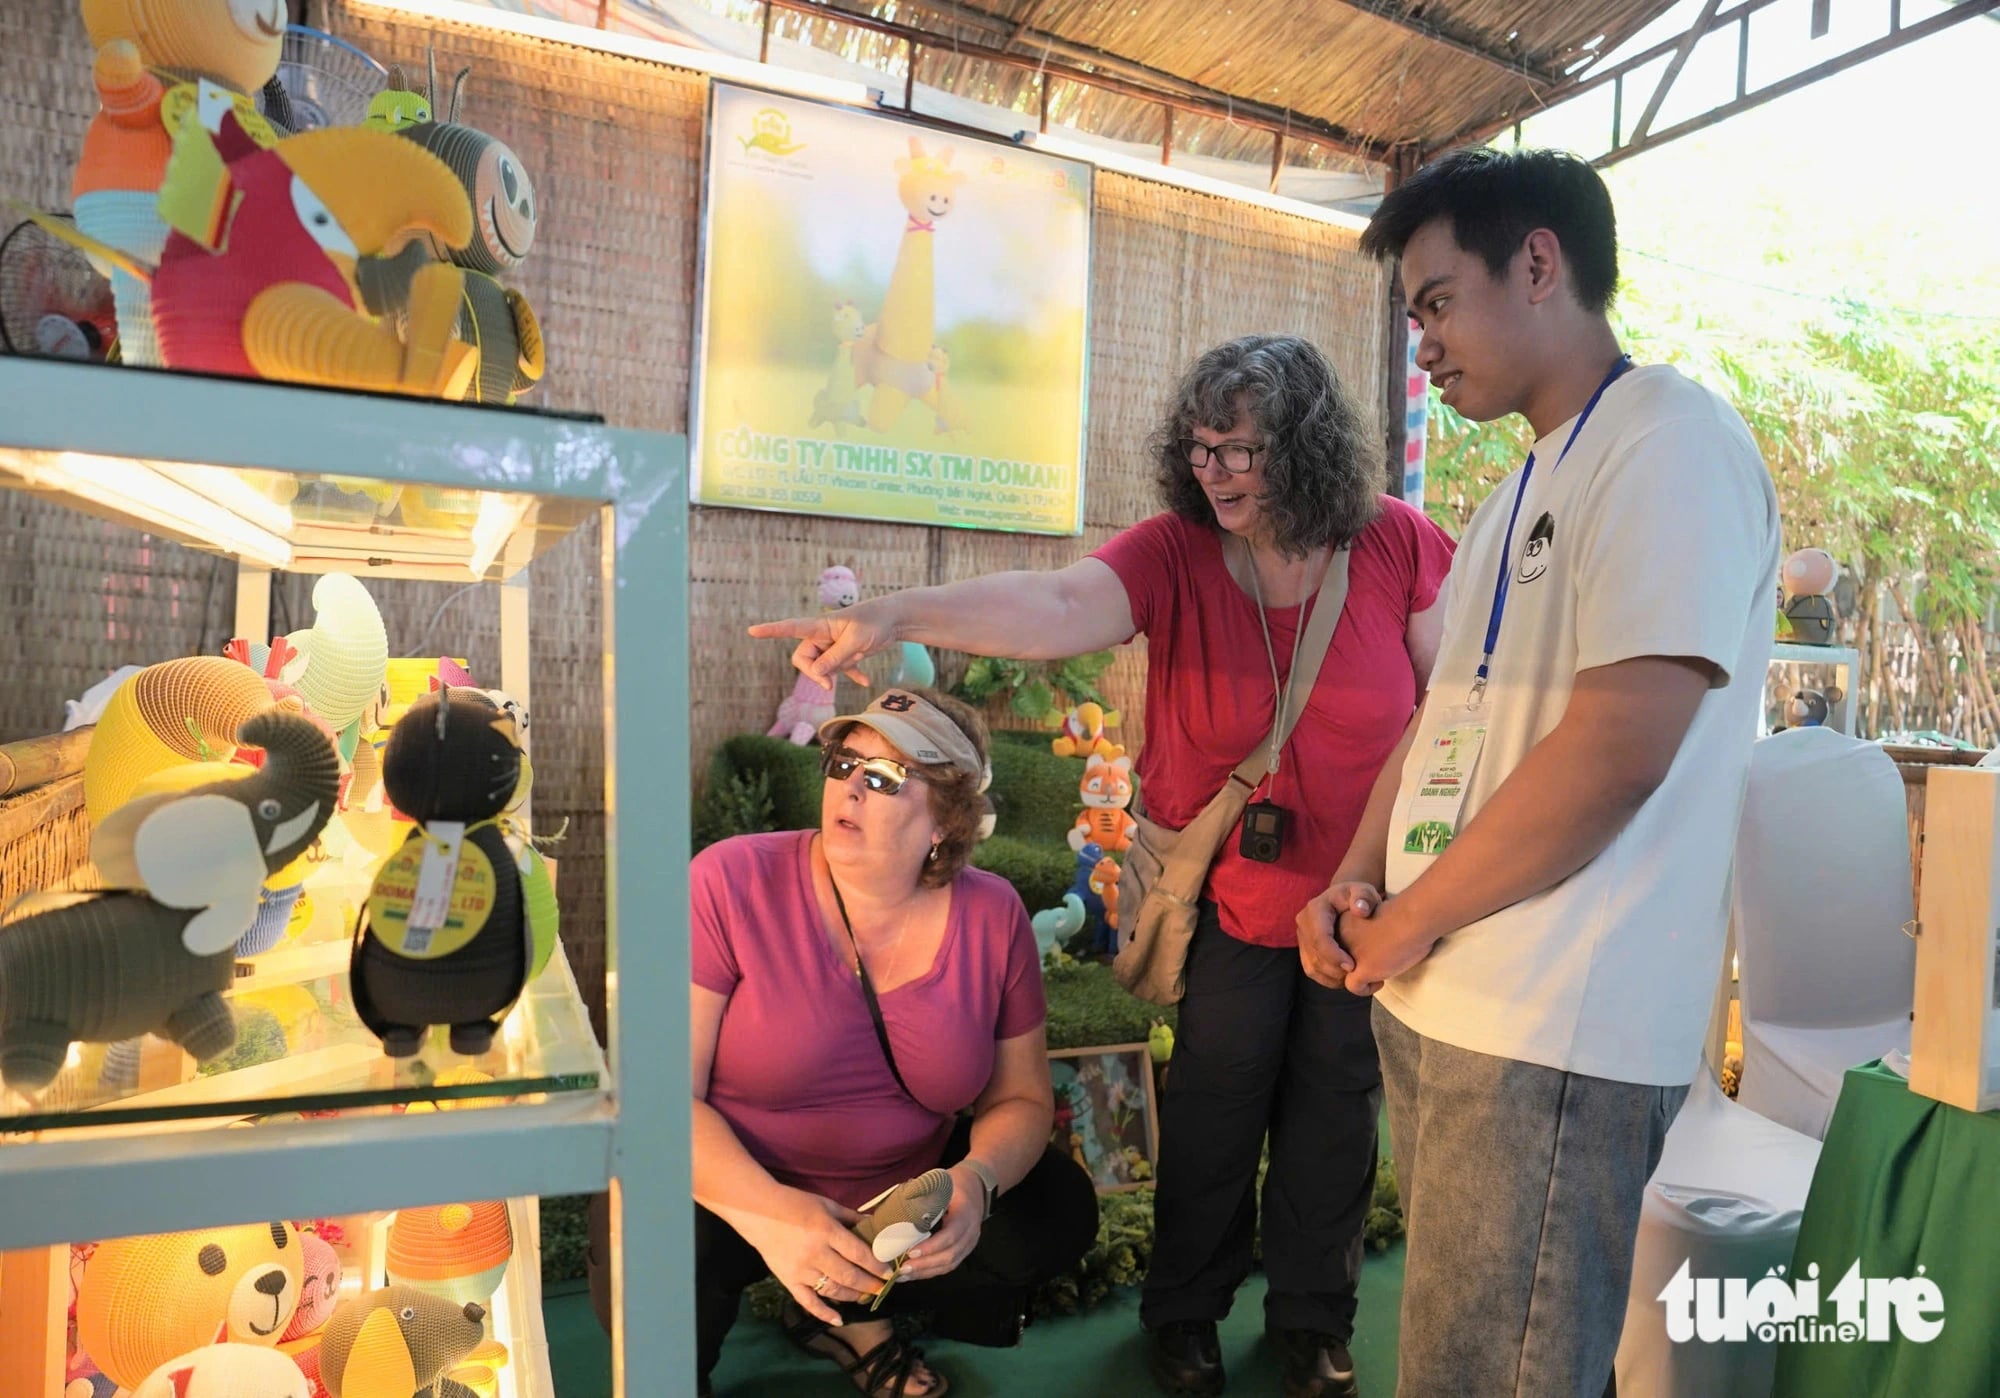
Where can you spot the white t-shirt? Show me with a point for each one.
(1658, 535)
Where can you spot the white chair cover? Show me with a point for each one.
(1741, 1228)
(1822, 892)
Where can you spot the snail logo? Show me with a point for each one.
(771, 133)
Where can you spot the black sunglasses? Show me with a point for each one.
(881, 774)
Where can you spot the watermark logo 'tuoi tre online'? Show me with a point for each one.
(1865, 1308)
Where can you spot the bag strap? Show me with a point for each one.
(1330, 602)
(1185, 868)
(868, 991)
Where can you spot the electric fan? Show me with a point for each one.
(53, 303)
(321, 81)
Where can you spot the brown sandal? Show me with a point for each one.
(886, 1371)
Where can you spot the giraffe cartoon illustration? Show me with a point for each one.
(840, 401)
(894, 353)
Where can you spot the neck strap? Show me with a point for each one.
(868, 988)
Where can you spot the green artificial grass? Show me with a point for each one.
(1099, 1354)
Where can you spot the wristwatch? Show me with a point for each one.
(987, 1178)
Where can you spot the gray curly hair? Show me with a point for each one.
(1322, 466)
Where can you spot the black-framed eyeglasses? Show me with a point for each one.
(879, 774)
(1234, 457)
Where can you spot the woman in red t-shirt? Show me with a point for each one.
(1266, 468)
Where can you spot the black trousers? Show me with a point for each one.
(1039, 1229)
(1263, 1049)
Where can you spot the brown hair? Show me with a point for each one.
(956, 800)
(1322, 462)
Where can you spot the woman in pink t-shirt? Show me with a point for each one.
(1266, 469)
(857, 988)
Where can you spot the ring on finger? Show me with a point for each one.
(820, 1286)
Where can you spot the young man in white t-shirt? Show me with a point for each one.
(1554, 836)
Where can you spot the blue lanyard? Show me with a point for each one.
(1507, 548)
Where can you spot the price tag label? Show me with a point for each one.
(432, 902)
(400, 893)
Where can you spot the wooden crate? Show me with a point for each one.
(1954, 1049)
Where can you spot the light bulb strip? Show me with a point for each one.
(1187, 179)
(231, 491)
(499, 516)
(135, 490)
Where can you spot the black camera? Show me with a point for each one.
(1263, 833)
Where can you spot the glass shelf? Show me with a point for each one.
(300, 1051)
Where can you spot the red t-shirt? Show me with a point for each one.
(1209, 699)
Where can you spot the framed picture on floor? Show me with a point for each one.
(1107, 1118)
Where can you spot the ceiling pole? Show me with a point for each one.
(1679, 61)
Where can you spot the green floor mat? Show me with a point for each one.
(1098, 1355)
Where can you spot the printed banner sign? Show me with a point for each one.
(892, 321)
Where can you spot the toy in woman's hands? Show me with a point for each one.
(231, 44)
(1083, 734)
(154, 954)
(808, 706)
(1106, 789)
(453, 764)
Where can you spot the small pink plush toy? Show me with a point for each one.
(808, 706)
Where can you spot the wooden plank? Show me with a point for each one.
(33, 761)
(34, 1310)
(1950, 1040)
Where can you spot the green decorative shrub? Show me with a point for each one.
(1034, 792)
(1040, 873)
(1041, 690)
(1088, 1008)
(738, 803)
(789, 774)
(565, 1237)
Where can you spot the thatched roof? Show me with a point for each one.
(1369, 75)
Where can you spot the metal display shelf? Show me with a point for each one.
(275, 476)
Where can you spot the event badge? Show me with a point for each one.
(1431, 822)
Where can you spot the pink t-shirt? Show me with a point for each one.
(798, 1072)
(1209, 700)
